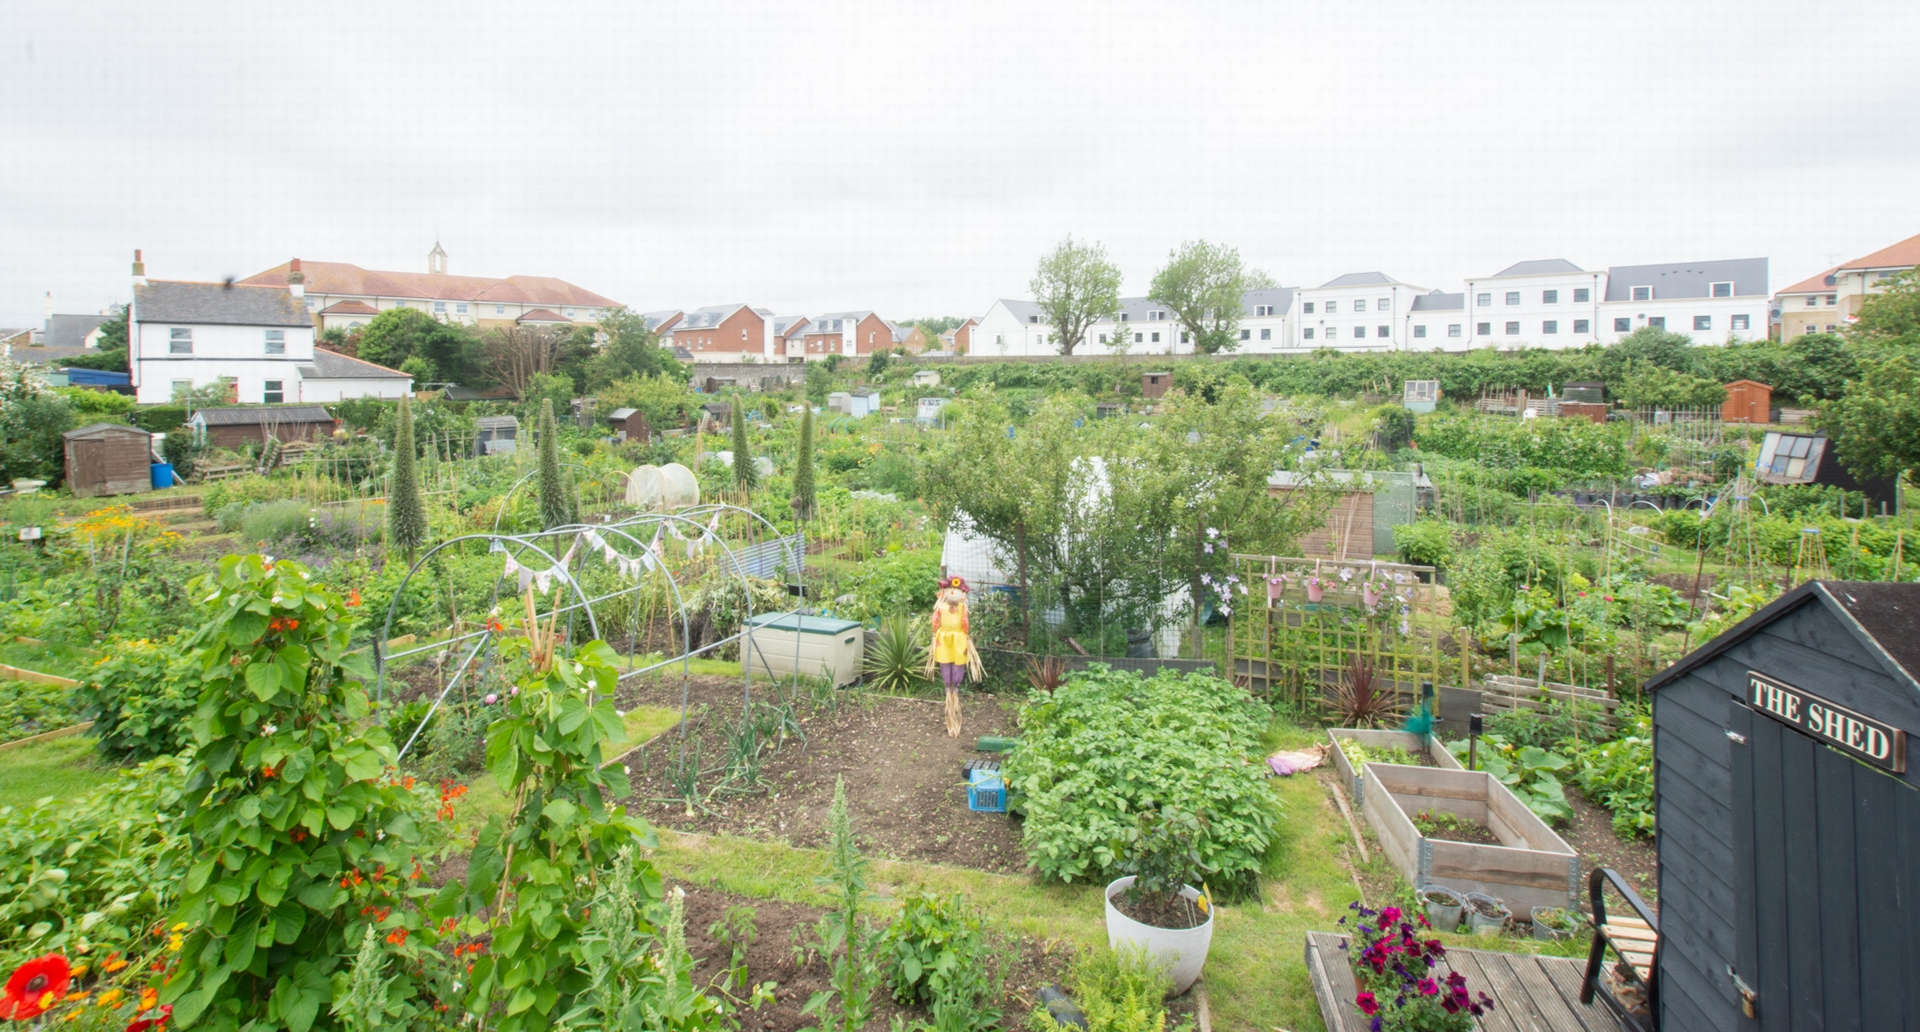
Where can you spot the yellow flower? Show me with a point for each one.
(181, 927)
(71, 997)
(148, 997)
(173, 943)
(110, 997)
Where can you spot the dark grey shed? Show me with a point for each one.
(1789, 817)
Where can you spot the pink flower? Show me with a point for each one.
(1367, 1003)
(491, 699)
(1429, 987)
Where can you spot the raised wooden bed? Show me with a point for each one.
(1532, 867)
(1372, 738)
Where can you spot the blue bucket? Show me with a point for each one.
(162, 475)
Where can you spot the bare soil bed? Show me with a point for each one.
(1591, 834)
(1028, 965)
(903, 775)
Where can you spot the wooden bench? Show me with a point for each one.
(1629, 987)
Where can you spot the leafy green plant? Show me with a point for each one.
(297, 839)
(896, 659)
(1163, 856)
(1557, 724)
(897, 584)
(140, 699)
(842, 937)
(89, 876)
(735, 932)
(1528, 770)
(1109, 744)
(937, 956)
(1619, 776)
(639, 977)
(29, 708)
(1118, 991)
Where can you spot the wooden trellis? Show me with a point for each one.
(1293, 645)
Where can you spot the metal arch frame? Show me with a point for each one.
(507, 499)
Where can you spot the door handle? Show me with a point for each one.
(1737, 737)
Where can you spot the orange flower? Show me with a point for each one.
(268, 772)
(397, 937)
(353, 597)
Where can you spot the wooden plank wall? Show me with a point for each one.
(1809, 648)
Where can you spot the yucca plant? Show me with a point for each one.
(897, 659)
(1363, 701)
(1044, 673)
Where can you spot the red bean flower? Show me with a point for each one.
(34, 987)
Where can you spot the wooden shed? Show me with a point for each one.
(628, 424)
(1154, 385)
(1789, 817)
(233, 427)
(496, 435)
(1747, 402)
(109, 459)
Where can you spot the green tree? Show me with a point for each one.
(745, 476)
(406, 511)
(32, 420)
(629, 350)
(1203, 285)
(1666, 388)
(1876, 424)
(667, 403)
(450, 350)
(803, 467)
(1075, 287)
(1648, 346)
(556, 502)
(554, 389)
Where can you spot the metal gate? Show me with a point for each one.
(1827, 853)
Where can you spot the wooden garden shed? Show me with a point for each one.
(1155, 385)
(1747, 401)
(628, 424)
(233, 427)
(1789, 818)
(109, 459)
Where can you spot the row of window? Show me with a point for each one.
(1581, 295)
(272, 392)
(1359, 332)
(180, 341)
(1814, 300)
(1811, 328)
(1385, 304)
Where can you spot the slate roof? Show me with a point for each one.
(784, 325)
(332, 365)
(707, 318)
(1884, 617)
(662, 321)
(497, 423)
(69, 331)
(1538, 267)
(254, 415)
(172, 301)
(1361, 279)
(1688, 279)
(1902, 255)
(344, 278)
(1438, 301)
(1023, 310)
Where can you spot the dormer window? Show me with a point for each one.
(1643, 293)
(1123, 317)
(1721, 290)
(1033, 319)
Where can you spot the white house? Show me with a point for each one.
(1147, 327)
(1437, 321)
(1360, 311)
(1548, 303)
(256, 339)
(1012, 328)
(1708, 301)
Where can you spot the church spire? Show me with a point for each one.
(437, 259)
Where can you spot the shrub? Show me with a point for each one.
(1619, 776)
(1425, 543)
(273, 523)
(895, 662)
(900, 583)
(160, 419)
(140, 699)
(92, 874)
(1109, 744)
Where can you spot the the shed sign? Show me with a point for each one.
(1879, 744)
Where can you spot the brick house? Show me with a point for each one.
(849, 333)
(959, 339)
(726, 333)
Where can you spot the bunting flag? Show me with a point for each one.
(511, 567)
(658, 548)
(544, 580)
(526, 577)
(567, 560)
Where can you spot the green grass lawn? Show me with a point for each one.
(63, 768)
(62, 660)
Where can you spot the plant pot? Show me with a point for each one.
(1545, 932)
(1275, 586)
(1481, 924)
(1369, 596)
(1315, 591)
(1182, 951)
(1444, 916)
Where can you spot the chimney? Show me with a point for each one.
(139, 269)
(296, 280)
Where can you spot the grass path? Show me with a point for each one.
(60, 767)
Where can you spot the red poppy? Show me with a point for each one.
(152, 1024)
(34, 987)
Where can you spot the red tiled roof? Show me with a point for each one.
(1904, 254)
(1811, 285)
(350, 308)
(542, 315)
(342, 278)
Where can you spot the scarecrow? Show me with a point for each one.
(952, 650)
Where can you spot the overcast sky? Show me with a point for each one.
(917, 158)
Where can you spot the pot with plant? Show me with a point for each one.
(1554, 924)
(1443, 906)
(1154, 907)
(1486, 915)
(1316, 588)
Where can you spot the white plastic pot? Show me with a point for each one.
(1182, 951)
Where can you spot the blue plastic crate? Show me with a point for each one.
(986, 792)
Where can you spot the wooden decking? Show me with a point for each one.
(1530, 994)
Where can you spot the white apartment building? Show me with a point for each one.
(1361, 311)
(1550, 303)
(1711, 302)
(1144, 327)
(1437, 321)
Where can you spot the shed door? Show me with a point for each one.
(90, 466)
(1827, 853)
